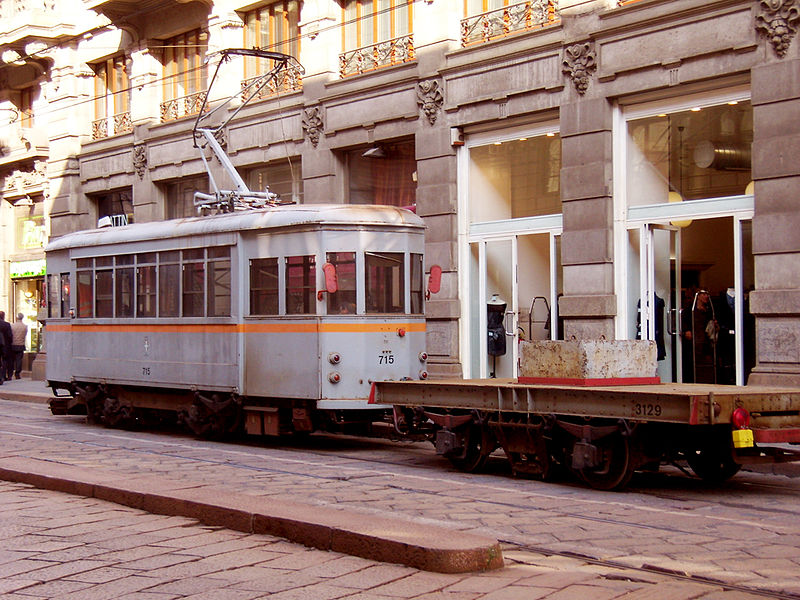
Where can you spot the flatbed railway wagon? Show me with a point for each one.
(602, 434)
(278, 319)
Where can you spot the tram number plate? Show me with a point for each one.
(385, 358)
(641, 409)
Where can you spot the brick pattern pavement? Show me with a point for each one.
(74, 548)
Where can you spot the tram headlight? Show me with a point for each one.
(423, 374)
(334, 358)
(423, 356)
(334, 377)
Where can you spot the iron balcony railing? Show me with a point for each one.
(113, 125)
(176, 108)
(381, 54)
(513, 18)
(288, 80)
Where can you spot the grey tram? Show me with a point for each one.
(277, 319)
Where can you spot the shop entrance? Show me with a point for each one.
(695, 276)
(513, 293)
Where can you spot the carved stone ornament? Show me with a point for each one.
(140, 159)
(430, 99)
(580, 61)
(777, 20)
(312, 124)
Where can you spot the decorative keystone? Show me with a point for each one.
(580, 61)
(777, 21)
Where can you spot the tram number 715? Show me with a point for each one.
(386, 358)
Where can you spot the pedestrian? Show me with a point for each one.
(5, 345)
(18, 333)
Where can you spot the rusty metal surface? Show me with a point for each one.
(695, 404)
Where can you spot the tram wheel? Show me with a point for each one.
(616, 468)
(478, 445)
(713, 465)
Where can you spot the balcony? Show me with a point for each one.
(382, 54)
(184, 106)
(286, 81)
(508, 20)
(113, 125)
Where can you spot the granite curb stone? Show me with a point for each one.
(424, 547)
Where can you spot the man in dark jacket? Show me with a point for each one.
(5, 345)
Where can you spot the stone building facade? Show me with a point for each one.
(603, 168)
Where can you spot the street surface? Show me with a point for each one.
(668, 536)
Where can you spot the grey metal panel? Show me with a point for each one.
(176, 359)
(282, 363)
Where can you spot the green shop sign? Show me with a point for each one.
(27, 268)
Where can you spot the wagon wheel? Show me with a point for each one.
(713, 465)
(478, 445)
(616, 468)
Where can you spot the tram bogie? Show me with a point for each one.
(270, 321)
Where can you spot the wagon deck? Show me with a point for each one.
(602, 432)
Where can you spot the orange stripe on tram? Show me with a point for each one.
(242, 328)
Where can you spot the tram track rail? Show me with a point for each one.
(653, 570)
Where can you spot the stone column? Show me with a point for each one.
(437, 201)
(588, 305)
(776, 223)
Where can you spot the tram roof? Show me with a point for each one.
(268, 218)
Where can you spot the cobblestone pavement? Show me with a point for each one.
(75, 548)
(744, 534)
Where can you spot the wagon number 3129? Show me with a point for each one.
(646, 410)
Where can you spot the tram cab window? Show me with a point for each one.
(301, 285)
(264, 286)
(417, 284)
(343, 302)
(385, 277)
(219, 282)
(64, 294)
(104, 293)
(169, 284)
(53, 303)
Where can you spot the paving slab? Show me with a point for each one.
(422, 546)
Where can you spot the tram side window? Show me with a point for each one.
(64, 294)
(169, 284)
(146, 285)
(264, 286)
(343, 302)
(301, 285)
(194, 274)
(417, 284)
(104, 293)
(385, 278)
(123, 286)
(219, 282)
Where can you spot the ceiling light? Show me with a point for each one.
(375, 152)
